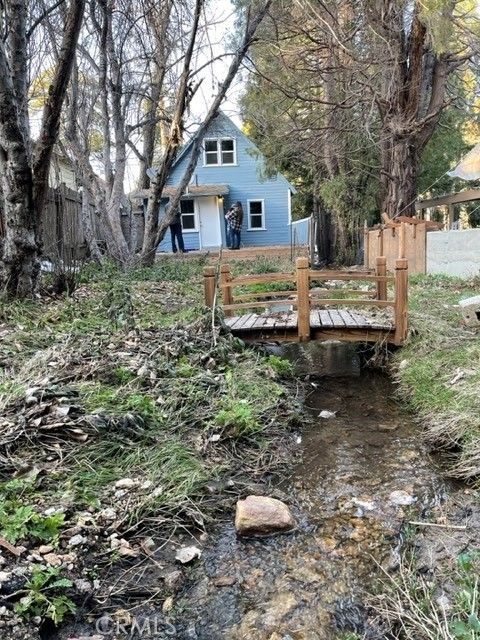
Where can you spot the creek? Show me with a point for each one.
(362, 472)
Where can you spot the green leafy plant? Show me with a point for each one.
(18, 521)
(281, 366)
(238, 419)
(467, 626)
(44, 596)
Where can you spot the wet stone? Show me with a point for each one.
(259, 515)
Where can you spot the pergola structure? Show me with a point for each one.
(449, 201)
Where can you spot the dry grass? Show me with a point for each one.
(438, 371)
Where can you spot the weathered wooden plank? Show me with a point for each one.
(315, 319)
(292, 320)
(322, 276)
(241, 321)
(247, 305)
(280, 295)
(349, 319)
(249, 323)
(259, 322)
(230, 322)
(325, 318)
(262, 279)
(337, 319)
(347, 302)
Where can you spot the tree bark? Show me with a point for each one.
(25, 182)
(401, 186)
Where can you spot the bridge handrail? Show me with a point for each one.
(302, 298)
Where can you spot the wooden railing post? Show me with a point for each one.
(209, 286)
(303, 299)
(225, 277)
(402, 240)
(366, 248)
(381, 270)
(401, 300)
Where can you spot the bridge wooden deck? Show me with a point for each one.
(324, 325)
(305, 313)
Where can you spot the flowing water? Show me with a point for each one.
(361, 472)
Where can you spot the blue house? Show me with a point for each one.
(230, 169)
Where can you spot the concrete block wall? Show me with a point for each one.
(454, 253)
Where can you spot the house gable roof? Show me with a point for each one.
(221, 116)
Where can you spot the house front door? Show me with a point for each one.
(210, 231)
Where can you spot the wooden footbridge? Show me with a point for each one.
(298, 309)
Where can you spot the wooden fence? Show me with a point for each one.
(406, 241)
(62, 229)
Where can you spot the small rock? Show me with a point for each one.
(126, 483)
(53, 559)
(167, 604)
(174, 580)
(51, 511)
(108, 514)
(327, 414)
(187, 554)
(215, 437)
(401, 498)
(224, 581)
(44, 549)
(260, 515)
(444, 602)
(146, 485)
(83, 586)
(366, 505)
(77, 540)
(4, 576)
(387, 427)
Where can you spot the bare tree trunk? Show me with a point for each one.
(160, 25)
(24, 186)
(89, 227)
(155, 231)
(401, 186)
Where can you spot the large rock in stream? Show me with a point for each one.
(260, 516)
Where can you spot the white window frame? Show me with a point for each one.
(220, 163)
(249, 227)
(195, 213)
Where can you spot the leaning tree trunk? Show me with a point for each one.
(401, 167)
(19, 267)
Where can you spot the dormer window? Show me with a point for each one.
(219, 152)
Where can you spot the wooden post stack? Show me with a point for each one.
(381, 270)
(303, 299)
(209, 286)
(401, 300)
(225, 277)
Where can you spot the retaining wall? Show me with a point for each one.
(454, 253)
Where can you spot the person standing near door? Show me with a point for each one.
(234, 218)
(176, 233)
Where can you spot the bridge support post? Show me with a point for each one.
(209, 286)
(225, 278)
(381, 270)
(401, 300)
(303, 299)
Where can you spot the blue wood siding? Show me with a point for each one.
(246, 182)
(191, 239)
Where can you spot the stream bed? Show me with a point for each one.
(362, 471)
